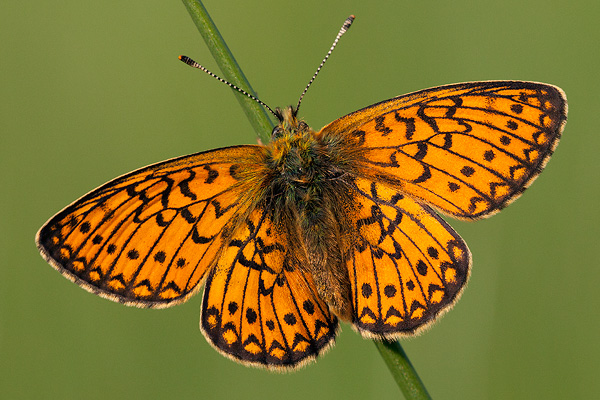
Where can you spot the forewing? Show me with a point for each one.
(147, 238)
(408, 265)
(467, 149)
(260, 307)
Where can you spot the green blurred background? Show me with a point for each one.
(91, 90)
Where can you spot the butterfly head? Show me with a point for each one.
(289, 124)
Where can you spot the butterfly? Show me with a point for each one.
(316, 226)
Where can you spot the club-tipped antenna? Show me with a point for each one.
(343, 29)
(194, 64)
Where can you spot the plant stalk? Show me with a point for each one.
(400, 366)
(256, 114)
(402, 370)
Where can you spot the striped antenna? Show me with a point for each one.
(194, 64)
(343, 29)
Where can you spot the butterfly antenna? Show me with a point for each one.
(194, 64)
(343, 29)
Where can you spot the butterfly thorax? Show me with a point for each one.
(307, 193)
(303, 168)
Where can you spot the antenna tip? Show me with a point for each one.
(187, 60)
(347, 24)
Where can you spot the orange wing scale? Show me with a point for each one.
(259, 306)
(408, 265)
(467, 149)
(148, 237)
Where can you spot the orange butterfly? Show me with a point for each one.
(314, 226)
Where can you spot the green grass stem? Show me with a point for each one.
(402, 370)
(256, 114)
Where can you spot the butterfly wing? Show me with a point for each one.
(467, 149)
(408, 265)
(259, 306)
(148, 238)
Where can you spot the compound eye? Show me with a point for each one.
(277, 131)
(302, 126)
